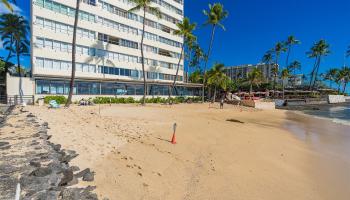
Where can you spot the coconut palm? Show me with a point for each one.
(278, 49)
(185, 29)
(294, 66)
(74, 42)
(197, 56)
(21, 49)
(11, 25)
(284, 76)
(144, 6)
(319, 50)
(345, 77)
(330, 76)
(255, 77)
(196, 77)
(267, 58)
(7, 4)
(215, 15)
(291, 41)
(216, 77)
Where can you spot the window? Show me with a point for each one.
(39, 62)
(40, 42)
(48, 64)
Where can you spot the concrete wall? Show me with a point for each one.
(13, 85)
(336, 99)
(259, 104)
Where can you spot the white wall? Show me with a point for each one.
(336, 99)
(13, 82)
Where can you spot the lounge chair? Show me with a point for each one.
(54, 104)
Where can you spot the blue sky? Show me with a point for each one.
(254, 26)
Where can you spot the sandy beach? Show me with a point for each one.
(255, 155)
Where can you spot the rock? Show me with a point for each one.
(35, 164)
(74, 168)
(56, 147)
(41, 172)
(30, 115)
(82, 173)
(4, 143)
(73, 182)
(67, 177)
(88, 177)
(45, 124)
(5, 147)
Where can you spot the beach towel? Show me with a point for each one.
(53, 104)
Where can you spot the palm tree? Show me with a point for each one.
(284, 75)
(216, 77)
(216, 14)
(254, 77)
(185, 30)
(74, 42)
(7, 4)
(319, 50)
(291, 41)
(267, 58)
(295, 65)
(197, 56)
(345, 74)
(196, 77)
(330, 75)
(144, 6)
(21, 49)
(278, 49)
(13, 31)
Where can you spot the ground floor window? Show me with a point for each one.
(61, 87)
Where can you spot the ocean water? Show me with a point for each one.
(337, 114)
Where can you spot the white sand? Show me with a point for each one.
(128, 147)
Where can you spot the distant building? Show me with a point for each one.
(241, 71)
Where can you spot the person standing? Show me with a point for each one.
(222, 103)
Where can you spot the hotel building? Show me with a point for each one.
(242, 71)
(108, 57)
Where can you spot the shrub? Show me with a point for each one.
(58, 99)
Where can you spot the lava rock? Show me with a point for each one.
(35, 164)
(67, 177)
(30, 115)
(4, 143)
(82, 173)
(74, 168)
(88, 177)
(41, 172)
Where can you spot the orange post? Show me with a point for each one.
(173, 139)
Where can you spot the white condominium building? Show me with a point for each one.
(108, 57)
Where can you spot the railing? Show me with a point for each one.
(17, 99)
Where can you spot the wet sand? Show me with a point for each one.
(263, 156)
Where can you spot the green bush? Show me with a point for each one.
(58, 99)
(156, 100)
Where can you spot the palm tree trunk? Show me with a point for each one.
(214, 98)
(207, 59)
(251, 88)
(313, 73)
(283, 89)
(19, 72)
(339, 87)
(71, 85)
(177, 69)
(317, 69)
(143, 60)
(288, 53)
(7, 67)
(344, 87)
